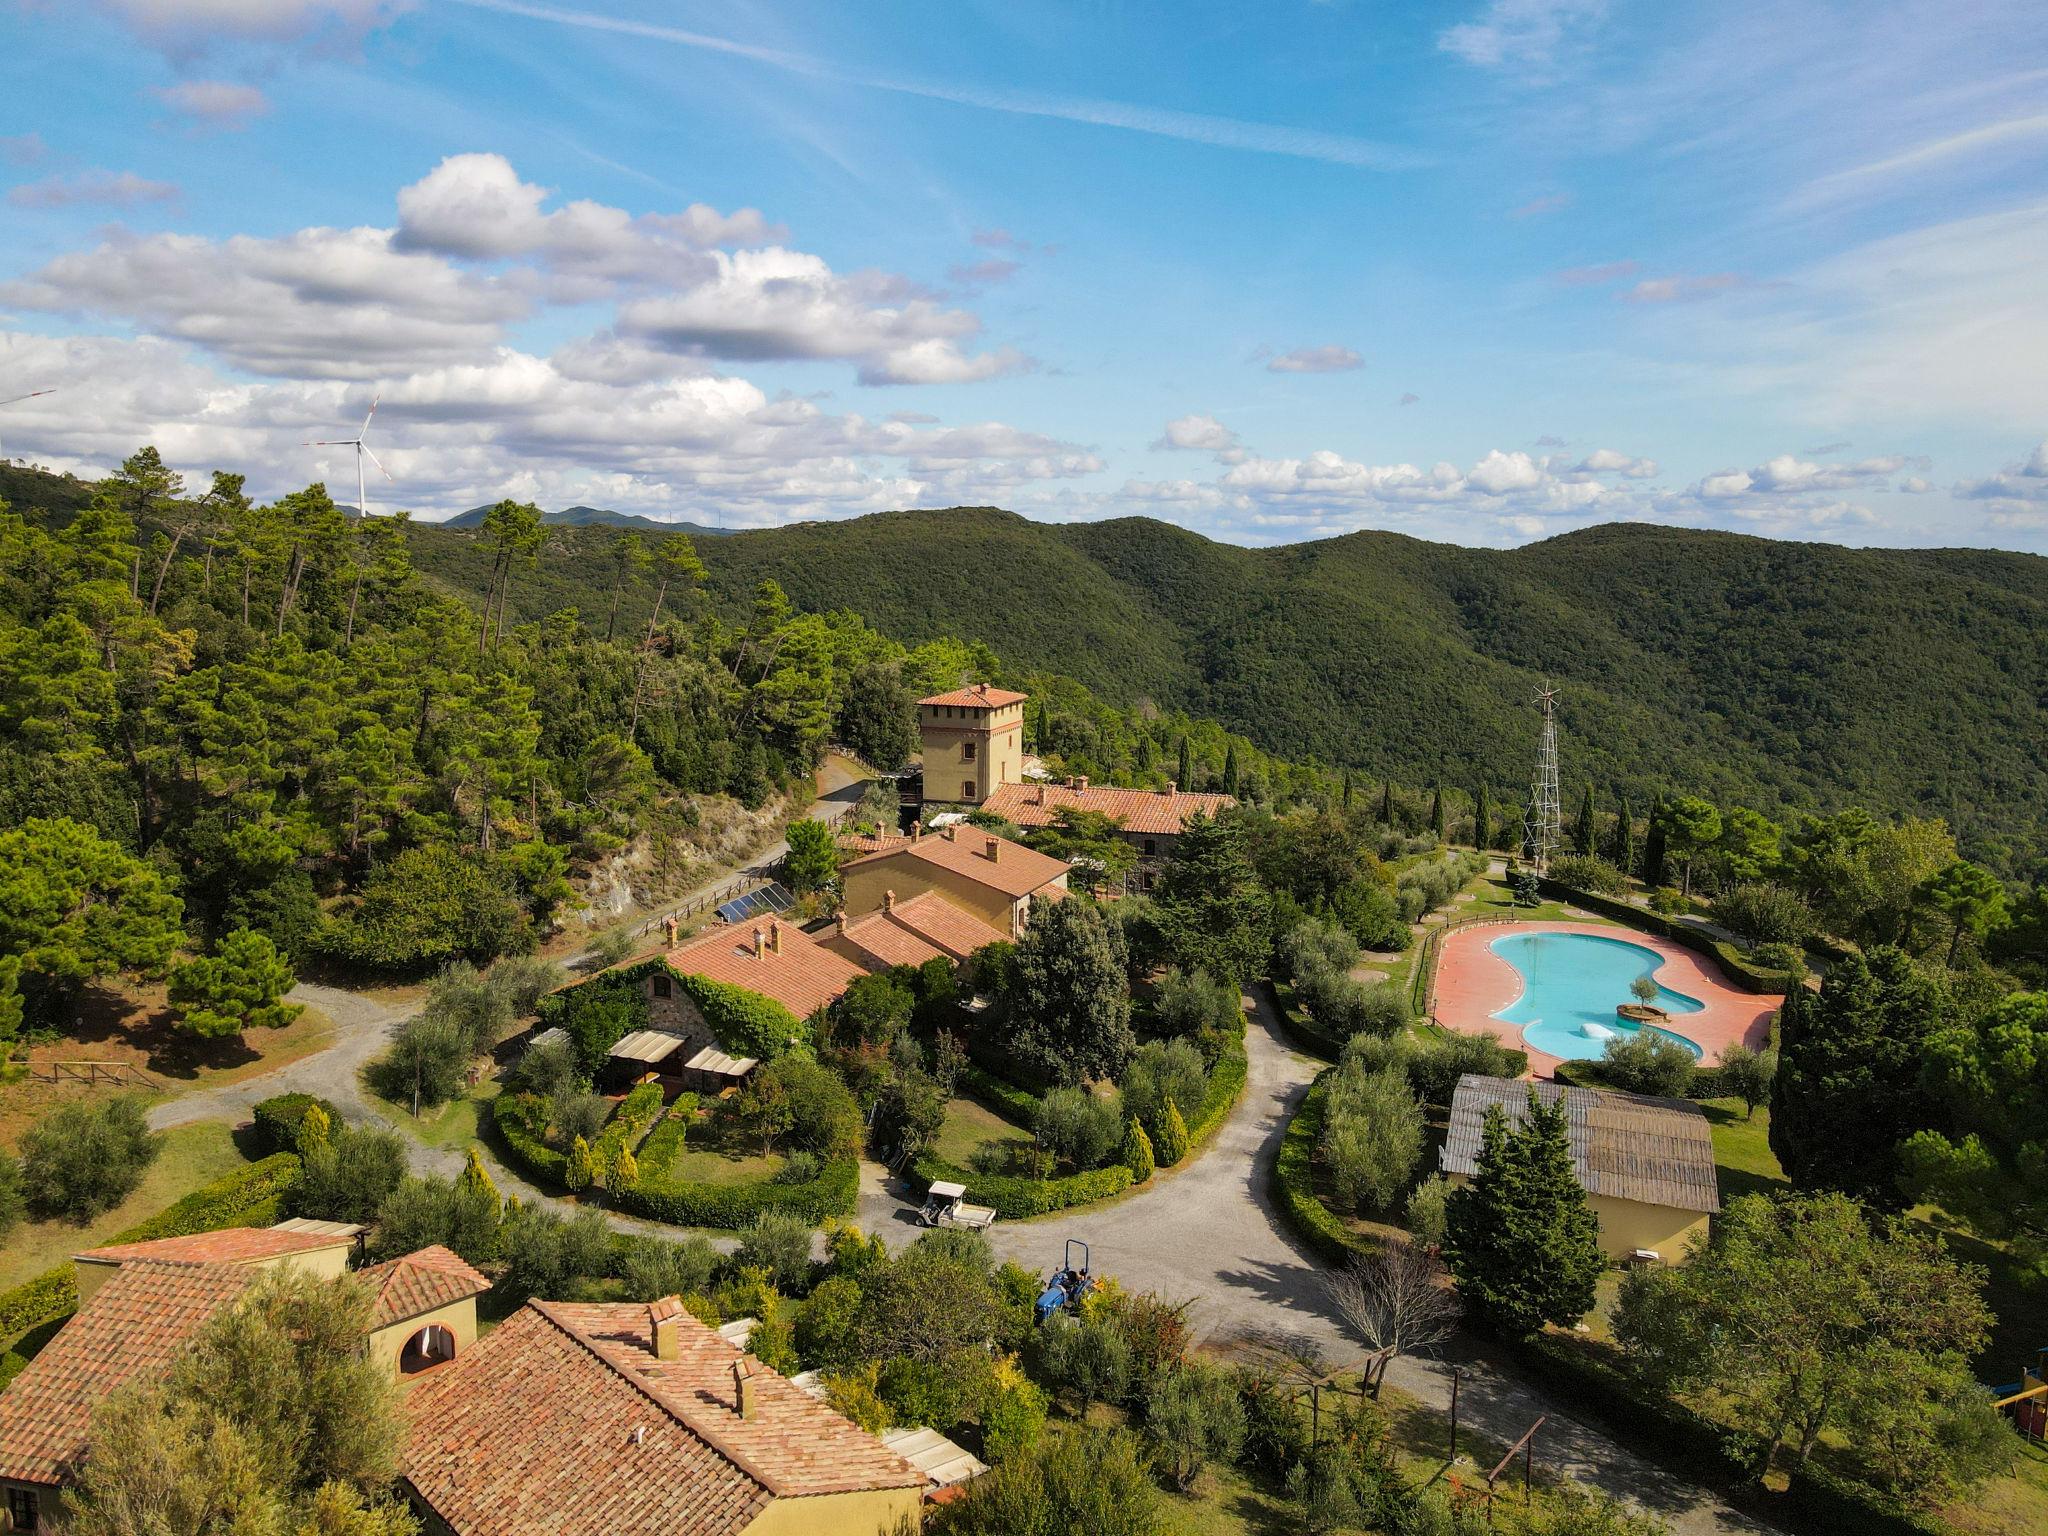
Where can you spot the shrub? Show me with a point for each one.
(548, 1257)
(1136, 1153)
(1089, 1360)
(1173, 1136)
(1192, 1417)
(1425, 1213)
(650, 1268)
(1092, 1480)
(1314, 943)
(796, 1099)
(11, 1201)
(1780, 957)
(428, 906)
(1162, 1074)
(1648, 1061)
(348, 1174)
(1383, 1010)
(1077, 1127)
(460, 1214)
(825, 1327)
(1583, 872)
(1669, 901)
(277, 1119)
(1012, 1413)
(1191, 1004)
(780, 1243)
(1434, 1069)
(637, 1110)
(427, 1064)
(1765, 914)
(834, 1192)
(1015, 1198)
(86, 1157)
(1372, 1138)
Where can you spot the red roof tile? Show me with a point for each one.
(798, 972)
(1143, 811)
(1016, 871)
(420, 1282)
(926, 927)
(230, 1245)
(138, 1322)
(977, 696)
(563, 1420)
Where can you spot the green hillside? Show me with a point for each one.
(1799, 675)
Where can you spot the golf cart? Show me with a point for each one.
(1068, 1285)
(945, 1205)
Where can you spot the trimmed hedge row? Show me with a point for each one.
(1226, 1082)
(513, 1115)
(1298, 1026)
(278, 1119)
(1005, 1098)
(834, 1192)
(1292, 1182)
(247, 1197)
(1749, 977)
(1015, 1197)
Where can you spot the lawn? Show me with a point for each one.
(969, 1127)
(709, 1156)
(192, 1155)
(453, 1124)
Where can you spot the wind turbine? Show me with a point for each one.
(29, 396)
(361, 448)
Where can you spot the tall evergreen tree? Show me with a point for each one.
(1654, 862)
(1582, 834)
(1186, 772)
(1346, 792)
(1482, 820)
(1386, 815)
(1230, 769)
(1849, 1085)
(1621, 845)
(1436, 813)
(1215, 913)
(1521, 1239)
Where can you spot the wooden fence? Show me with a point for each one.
(94, 1074)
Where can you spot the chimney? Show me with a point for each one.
(1038, 794)
(995, 850)
(760, 948)
(917, 831)
(839, 922)
(1082, 782)
(774, 936)
(982, 689)
(1173, 786)
(952, 831)
(746, 1386)
(1070, 781)
(888, 901)
(666, 1318)
(668, 928)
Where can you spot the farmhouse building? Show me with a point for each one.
(973, 740)
(597, 1419)
(1646, 1164)
(994, 879)
(1150, 821)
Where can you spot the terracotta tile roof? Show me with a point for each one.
(799, 972)
(133, 1326)
(1017, 871)
(563, 1420)
(1147, 812)
(230, 1245)
(977, 696)
(420, 1282)
(926, 927)
(865, 842)
(1625, 1145)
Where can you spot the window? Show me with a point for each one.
(21, 1509)
(967, 790)
(663, 985)
(1151, 846)
(433, 1345)
(967, 751)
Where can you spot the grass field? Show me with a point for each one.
(453, 1124)
(970, 1126)
(192, 1155)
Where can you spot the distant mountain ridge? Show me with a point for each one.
(588, 517)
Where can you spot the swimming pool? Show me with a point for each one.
(1572, 983)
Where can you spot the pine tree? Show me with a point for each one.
(1186, 771)
(1436, 814)
(1582, 834)
(1482, 820)
(1173, 1136)
(1137, 1151)
(1653, 845)
(1386, 815)
(1230, 769)
(1521, 1239)
(1621, 847)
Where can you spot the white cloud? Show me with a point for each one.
(2016, 497)
(114, 189)
(1874, 176)
(1498, 473)
(1608, 461)
(1683, 288)
(184, 26)
(1328, 358)
(1517, 32)
(1787, 476)
(1201, 434)
(216, 103)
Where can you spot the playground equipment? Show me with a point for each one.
(1068, 1286)
(2025, 1401)
(945, 1205)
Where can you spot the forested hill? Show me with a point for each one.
(1802, 674)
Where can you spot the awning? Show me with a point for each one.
(647, 1045)
(715, 1061)
(938, 1458)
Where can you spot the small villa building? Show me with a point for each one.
(599, 1419)
(989, 877)
(1150, 821)
(1646, 1164)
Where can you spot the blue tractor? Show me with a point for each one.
(1068, 1285)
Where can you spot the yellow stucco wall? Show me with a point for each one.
(458, 1317)
(945, 733)
(325, 1263)
(908, 877)
(872, 1513)
(1626, 1225)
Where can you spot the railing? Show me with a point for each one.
(1422, 1000)
(93, 1074)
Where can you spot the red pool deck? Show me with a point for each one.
(1473, 984)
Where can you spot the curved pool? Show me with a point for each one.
(1572, 983)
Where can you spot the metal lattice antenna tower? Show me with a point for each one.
(1543, 826)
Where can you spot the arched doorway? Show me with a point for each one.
(432, 1345)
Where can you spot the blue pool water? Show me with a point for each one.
(1572, 983)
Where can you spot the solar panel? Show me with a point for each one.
(772, 897)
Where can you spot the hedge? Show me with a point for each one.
(1006, 1099)
(1750, 978)
(834, 1192)
(278, 1119)
(1705, 1082)
(1015, 1197)
(1292, 1182)
(1226, 1082)
(638, 1109)
(247, 1197)
(1298, 1026)
(513, 1115)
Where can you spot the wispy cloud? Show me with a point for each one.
(1536, 206)
(216, 103)
(1158, 122)
(1683, 288)
(1935, 152)
(1328, 358)
(120, 189)
(1599, 276)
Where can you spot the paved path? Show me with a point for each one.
(1208, 1230)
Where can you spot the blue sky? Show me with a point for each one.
(1479, 270)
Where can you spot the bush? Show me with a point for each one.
(1078, 1128)
(798, 1100)
(86, 1157)
(1648, 1061)
(778, 1242)
(1434, 1068)
(1191, 1004)
(1192, 1417)
(548, 1257)
(426, 907)
(1669, 901)
(825, 1327)
(11, 1202)
(1014, 1197)
(1292, 1182)
(1160, 1074)
(523, 980)
(521, 1120)
(1583, 872)
(1092, 1480)
(1371, 1138)
(348, 1175)
(456, 1214)
(637, 1110)
(427, 1064)
(1089, 1360)
(1012, 1413)
(650, 1268)
(546, 1069)
(1785, 958)
(1426, 1210)
(1314, 943)
(277, 1119)
(1765, 914)
(1136, 1152)
(834, 1192)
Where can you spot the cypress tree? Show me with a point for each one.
(1187, 766)
(578, 1173)
(1386, 815)
(1436, 813)
(1347, 789)
(1582, 834)
(1621, 847)
(1230, 769)
(1521, 1239)
(1482, 820)
(1653, 844)
(1173, 1136)
(1137, 1151)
